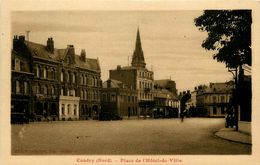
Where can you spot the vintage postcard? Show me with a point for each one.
(129, 82)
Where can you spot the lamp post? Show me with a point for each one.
(235, 96)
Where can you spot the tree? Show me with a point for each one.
(229, 34)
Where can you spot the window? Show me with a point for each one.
(104, 97)
(52, 90)
(53, 73)
(73, 77)
(129, 99)
(222, 110)
(81, 79)
(214, 110)
(140, 84)
(81, 94)
(85, 96)
(61, 91)
(68, 76)
(37, 89)
(45, 90)
(63, 109)
(62, 76)
(75, 109)
(68, 108)
(108, 97)
(222, 98)
(85, 80)
(44, 72)
(26, 89)
(17, 87)
(214, 99)
(37, 71)
(113, 97)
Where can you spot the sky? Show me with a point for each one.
(171, 42)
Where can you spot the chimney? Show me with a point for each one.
(15, 39)
(22, 38)
(50, 45)
(71, 50)
(83, 55)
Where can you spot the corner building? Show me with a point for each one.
(56, 84)
(137, 77)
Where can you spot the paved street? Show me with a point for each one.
(135, 137)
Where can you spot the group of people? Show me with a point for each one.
(230, 117)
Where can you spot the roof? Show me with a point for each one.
(163, 82)
(39, 51)
(114, 83)
(164, 93)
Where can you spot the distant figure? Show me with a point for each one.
(182, 116)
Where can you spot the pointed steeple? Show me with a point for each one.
(138, 55)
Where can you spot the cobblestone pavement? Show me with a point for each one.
(126, 137)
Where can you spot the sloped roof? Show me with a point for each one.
(39, 51)
(114, 83)
(164, 93)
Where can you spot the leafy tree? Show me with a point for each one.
(229, 34)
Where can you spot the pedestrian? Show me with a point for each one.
(182, 116)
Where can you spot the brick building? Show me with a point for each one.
(48, 75)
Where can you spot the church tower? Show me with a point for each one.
(138, 55)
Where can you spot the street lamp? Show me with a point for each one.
(235, 96)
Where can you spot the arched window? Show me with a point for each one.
(53, 73)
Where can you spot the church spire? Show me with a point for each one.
(138, 56)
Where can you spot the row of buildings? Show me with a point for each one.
(218, 99)
(211, 100)
(57, 84)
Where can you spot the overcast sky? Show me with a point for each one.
(170, 40)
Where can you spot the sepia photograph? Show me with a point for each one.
(131, 85)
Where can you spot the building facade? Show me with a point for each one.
(166, 100)
(137, 77)
(55, 73)
(214, 100)
(117, 99)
